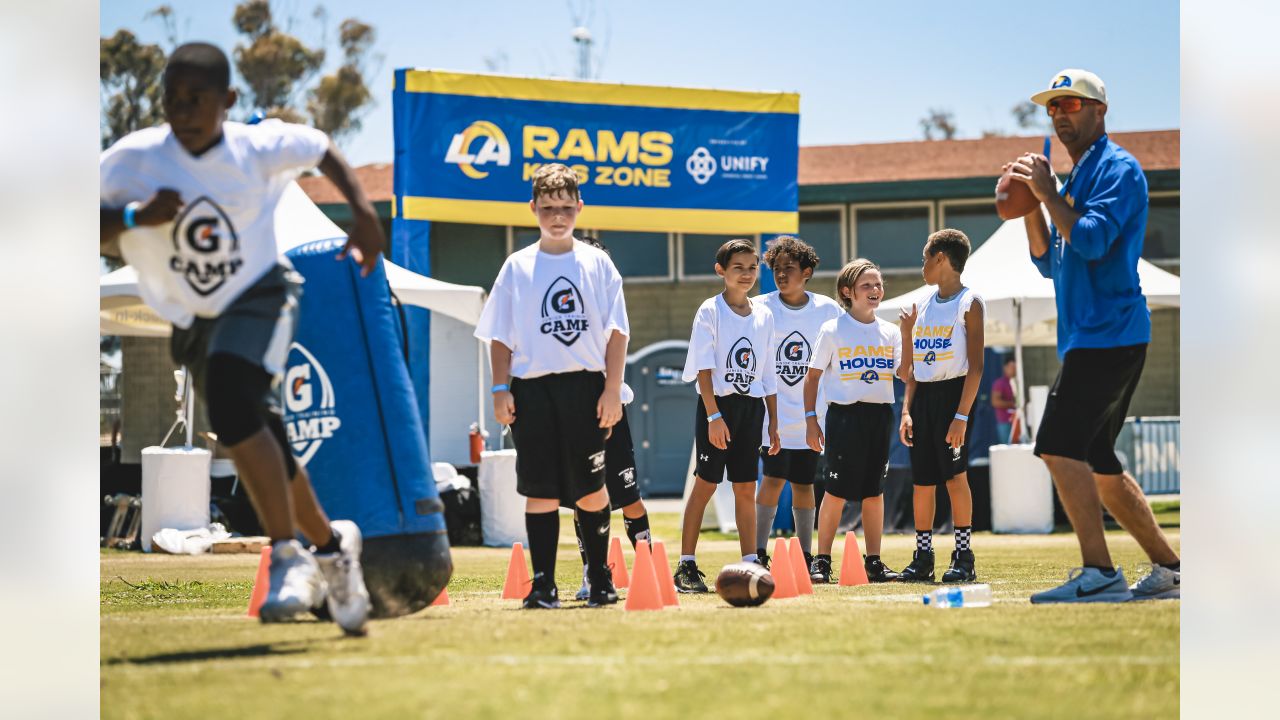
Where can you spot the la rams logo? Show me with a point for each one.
(563, 314)
(930, 357)
(870, 377)
(205, 245)
(495, 149)
(310, 416)
(792, 358)
(740, 366)
(1060, 82)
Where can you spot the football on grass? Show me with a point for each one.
(744, 584)
(1014, 198)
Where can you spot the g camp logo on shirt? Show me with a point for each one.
(792, 358)
(206, 247)
(868, 363)
(740, 366)
(933, 344)
(563, 315)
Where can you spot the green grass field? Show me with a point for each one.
(175, 643)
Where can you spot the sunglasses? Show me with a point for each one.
(1068, 105)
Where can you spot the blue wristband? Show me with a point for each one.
(500, 388)
(130, 213)
(811, 413)
(962, 417)
(713, 417)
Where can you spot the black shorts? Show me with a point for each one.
(620, 465)
(559, 441)
(1088, 404)
(745, 417)
(794, 466)
(858, 449)
(933, 408)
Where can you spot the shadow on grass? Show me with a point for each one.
(227, 653)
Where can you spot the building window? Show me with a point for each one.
(824, 231)
(1162, 242)
(698, 253)
(891, 237)
(467, 254)
(638, 254)
(978, 221)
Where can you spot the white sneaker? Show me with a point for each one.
(584, 592)
(1086, 584)
(348, 599)
(296, 584)
(1160, 583)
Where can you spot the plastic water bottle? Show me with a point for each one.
(964, 596)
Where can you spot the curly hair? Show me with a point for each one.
(554, 178)
(795, 247)
(951, 242)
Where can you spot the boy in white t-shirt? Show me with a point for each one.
(730, 356)
(797, 316)
(557, 326)
(945, 339)
(854, 360)
(191, 206)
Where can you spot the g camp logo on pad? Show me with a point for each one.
(310, 416)
(495, 149)
(206, 247)
(563, 315)
(740, 366)
(792, 358)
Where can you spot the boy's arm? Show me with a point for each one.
(976, 344)
(163, 207)
(812, 430)
(609, 407)
(771, 405)
(365, 241)
(504, 404)
(906, 428)
(717, 430)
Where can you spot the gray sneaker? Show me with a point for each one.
(296, 584)
(1159, 583)
(584, 592)
(1086, 584)
(348, 599)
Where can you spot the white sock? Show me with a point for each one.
(686, 558)
(750, 558)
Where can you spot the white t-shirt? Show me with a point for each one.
(223, 239)
(794, 335)
(858, 360)
(737, 348)
(940, 347)
(555, 312)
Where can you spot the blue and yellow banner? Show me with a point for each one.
(648, 158)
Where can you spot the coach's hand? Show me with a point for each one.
(1034, 170)
(905, 430)
(813, 435)
(504, 407)
(163, 207)
(609, 408)
(775, 443)
(718, 434)
(955, 434)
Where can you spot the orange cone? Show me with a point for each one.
(442, 599)
(666, 581)
(261, 582)
(644, 593)
(852, 571)
(618, 563)
(518, 582)
(804, 585)
(784, 579)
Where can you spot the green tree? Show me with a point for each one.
(340, 98)
(273, 64)
(938, 124)
(129, 72)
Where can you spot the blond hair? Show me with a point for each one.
(555, 178)
(848, 278)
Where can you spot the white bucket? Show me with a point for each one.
(175, 490)
(501, 506)
(1021, 491)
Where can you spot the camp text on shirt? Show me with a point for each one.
(223, 239)
(939, 341)
(555, 312)
(858, 360)
(738, 349)
(795, 334)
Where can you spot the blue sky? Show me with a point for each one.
(866, 72)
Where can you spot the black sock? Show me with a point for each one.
(637, 528)
(1106, 571)
(334, 545)
(544, 533)
(577, 529)
(869, 558)
(924, 540)
(595, 536)
(963, 537)
(1174, 566)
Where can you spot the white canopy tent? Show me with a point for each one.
(1020, 303)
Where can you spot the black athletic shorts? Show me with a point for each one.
(858, 449)
(933, 408)
(620, 465)
(559, 441)
(745, 417)
(794, 466)
(1088, 403)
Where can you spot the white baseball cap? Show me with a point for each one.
(1074, 82)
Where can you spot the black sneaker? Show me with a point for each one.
(820, 569)
(544, 594)
(876, 570)
(602, 591)
(762, 558)
(808, 560)
(961, 569)
(689, 578)
(920, 569)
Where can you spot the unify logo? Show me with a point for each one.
(310, 417)
(495, 149)
(206, 247)
(563, 314)
(740, 366)
(792, 358)
(700, 166)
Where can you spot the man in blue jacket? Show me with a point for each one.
(1090, 249)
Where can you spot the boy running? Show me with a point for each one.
(191, 206)
(946, 343)
(557, 326)
(857, 354)
(797, 316)
(730, 357)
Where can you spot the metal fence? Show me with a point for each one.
(1150, 448)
